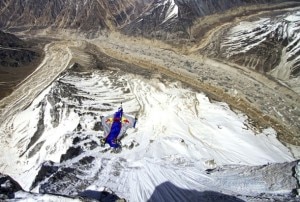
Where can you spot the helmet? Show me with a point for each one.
(119, 113)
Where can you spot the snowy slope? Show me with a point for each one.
(172, 10)
(268, 44)
(182, 140)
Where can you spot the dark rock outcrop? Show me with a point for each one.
(8, 187)
(15, 52)
(105, 195)
(16, 58)
(71, 153)
(11, 41)
(46, 170)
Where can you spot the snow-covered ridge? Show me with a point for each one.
(172, 10)
(180, 136)
(269, 44)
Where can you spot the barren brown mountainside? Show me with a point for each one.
(18, 59)
(145, 16)
(77, 14)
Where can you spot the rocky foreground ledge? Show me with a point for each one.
(10, 190)
(279, 176)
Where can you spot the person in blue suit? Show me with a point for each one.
(115, 126)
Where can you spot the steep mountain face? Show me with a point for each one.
(11, 190)
(8, 187)
(75, 14)
(268, 43)
(194, 8)
(222, 157)
(173, 19)
(146, 17)
(11, 41)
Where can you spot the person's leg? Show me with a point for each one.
(113, 135)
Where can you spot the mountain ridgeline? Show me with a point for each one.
(73, 14)
(183, 23)
(95, 15)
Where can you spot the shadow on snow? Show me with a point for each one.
(103, 196)
(169, 192)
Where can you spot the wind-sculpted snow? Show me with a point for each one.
(183, 142)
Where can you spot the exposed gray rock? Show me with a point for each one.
(46, 170)
(71, 153)
(8, 187)
(191, 9)
(162, 19)
(173, 19)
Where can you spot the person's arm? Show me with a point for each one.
(128, 121)
(135, 120)
(106, 123)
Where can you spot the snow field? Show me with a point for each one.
(180, 134)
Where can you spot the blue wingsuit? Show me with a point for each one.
(115, 126)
